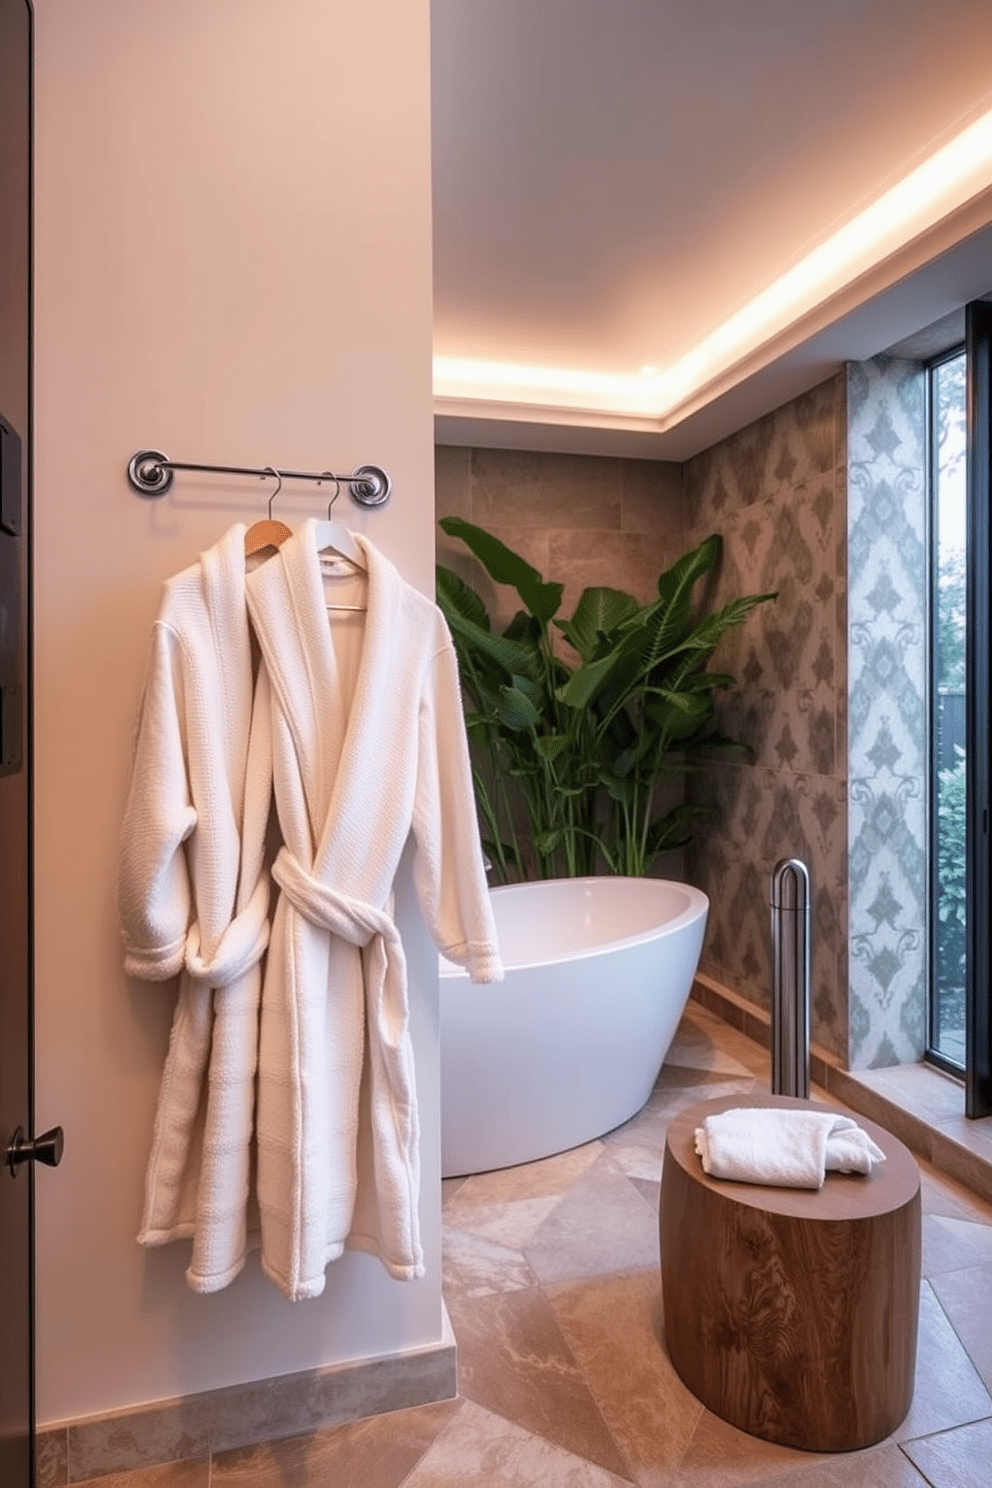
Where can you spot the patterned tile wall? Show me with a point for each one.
(887, 812)
(776, 491)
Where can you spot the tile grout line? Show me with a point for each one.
(967, 1352)
(929, 1481)
(631, 1476)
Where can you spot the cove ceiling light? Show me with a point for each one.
(948, 180)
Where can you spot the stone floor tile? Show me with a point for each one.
(603, 1225)
(948, 1392)
(883, 1466)
(675, 1076)
(377, 1452)
(571, 1386)
(720, 1456)
(648, 1128)
(703, 1042)
(951, 1244)
(670, 1099)
(733, 1044)
(966, 1297)
(507, 1222)
(550, 1176)
(961, 1458)
(513, 1360)
(649, 1191)
(480, 1448)
(637, 1161)
(194, 1473)
(475, 1267)
(613, 1328)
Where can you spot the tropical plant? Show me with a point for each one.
(570, 760)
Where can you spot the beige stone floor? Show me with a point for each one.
(552, 1283)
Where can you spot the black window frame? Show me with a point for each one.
(978, 993)
(932, 1052)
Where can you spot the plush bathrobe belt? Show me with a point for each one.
(394, 1119)
(240, 947)
(354, 920)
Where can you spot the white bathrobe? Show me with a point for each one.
(367, 749)
(368, 743)
(193, 898)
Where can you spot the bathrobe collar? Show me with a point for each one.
(288, 610)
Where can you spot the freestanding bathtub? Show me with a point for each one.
(570, 1043)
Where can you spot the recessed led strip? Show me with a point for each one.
(457, 377)
(946, 181)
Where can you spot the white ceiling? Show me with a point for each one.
(615, 179)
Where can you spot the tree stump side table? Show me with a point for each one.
(793, 1313)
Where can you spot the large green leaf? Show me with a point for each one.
(515, 710)
(507, 567)
(657, 630)
(524, 628)
(599, 612)
(510, 655)
(702, 640)
(676, 583)
(586, 681)
(552, 746)
(619, 788)
(454, 594)
(674, 829)
(534, 691)
(679, 715)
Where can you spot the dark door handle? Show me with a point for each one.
(47, 1148)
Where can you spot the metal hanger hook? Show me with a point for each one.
(271, 470)
(327, 475)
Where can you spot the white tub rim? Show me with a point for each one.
(698, 906)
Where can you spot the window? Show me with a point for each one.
(947, 421)
(960, 876)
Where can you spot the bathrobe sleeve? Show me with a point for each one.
(154, 897)
(448, 868)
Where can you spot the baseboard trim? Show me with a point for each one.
(196, 1426)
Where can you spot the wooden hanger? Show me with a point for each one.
(269, 532)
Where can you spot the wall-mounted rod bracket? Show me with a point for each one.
(790, 905)
(151, 474)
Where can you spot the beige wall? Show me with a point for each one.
(233, 264)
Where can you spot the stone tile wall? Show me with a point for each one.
(579, 519)
(776, 491)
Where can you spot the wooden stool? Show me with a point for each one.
(793, 1313)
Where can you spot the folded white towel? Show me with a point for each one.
(783, 1146)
